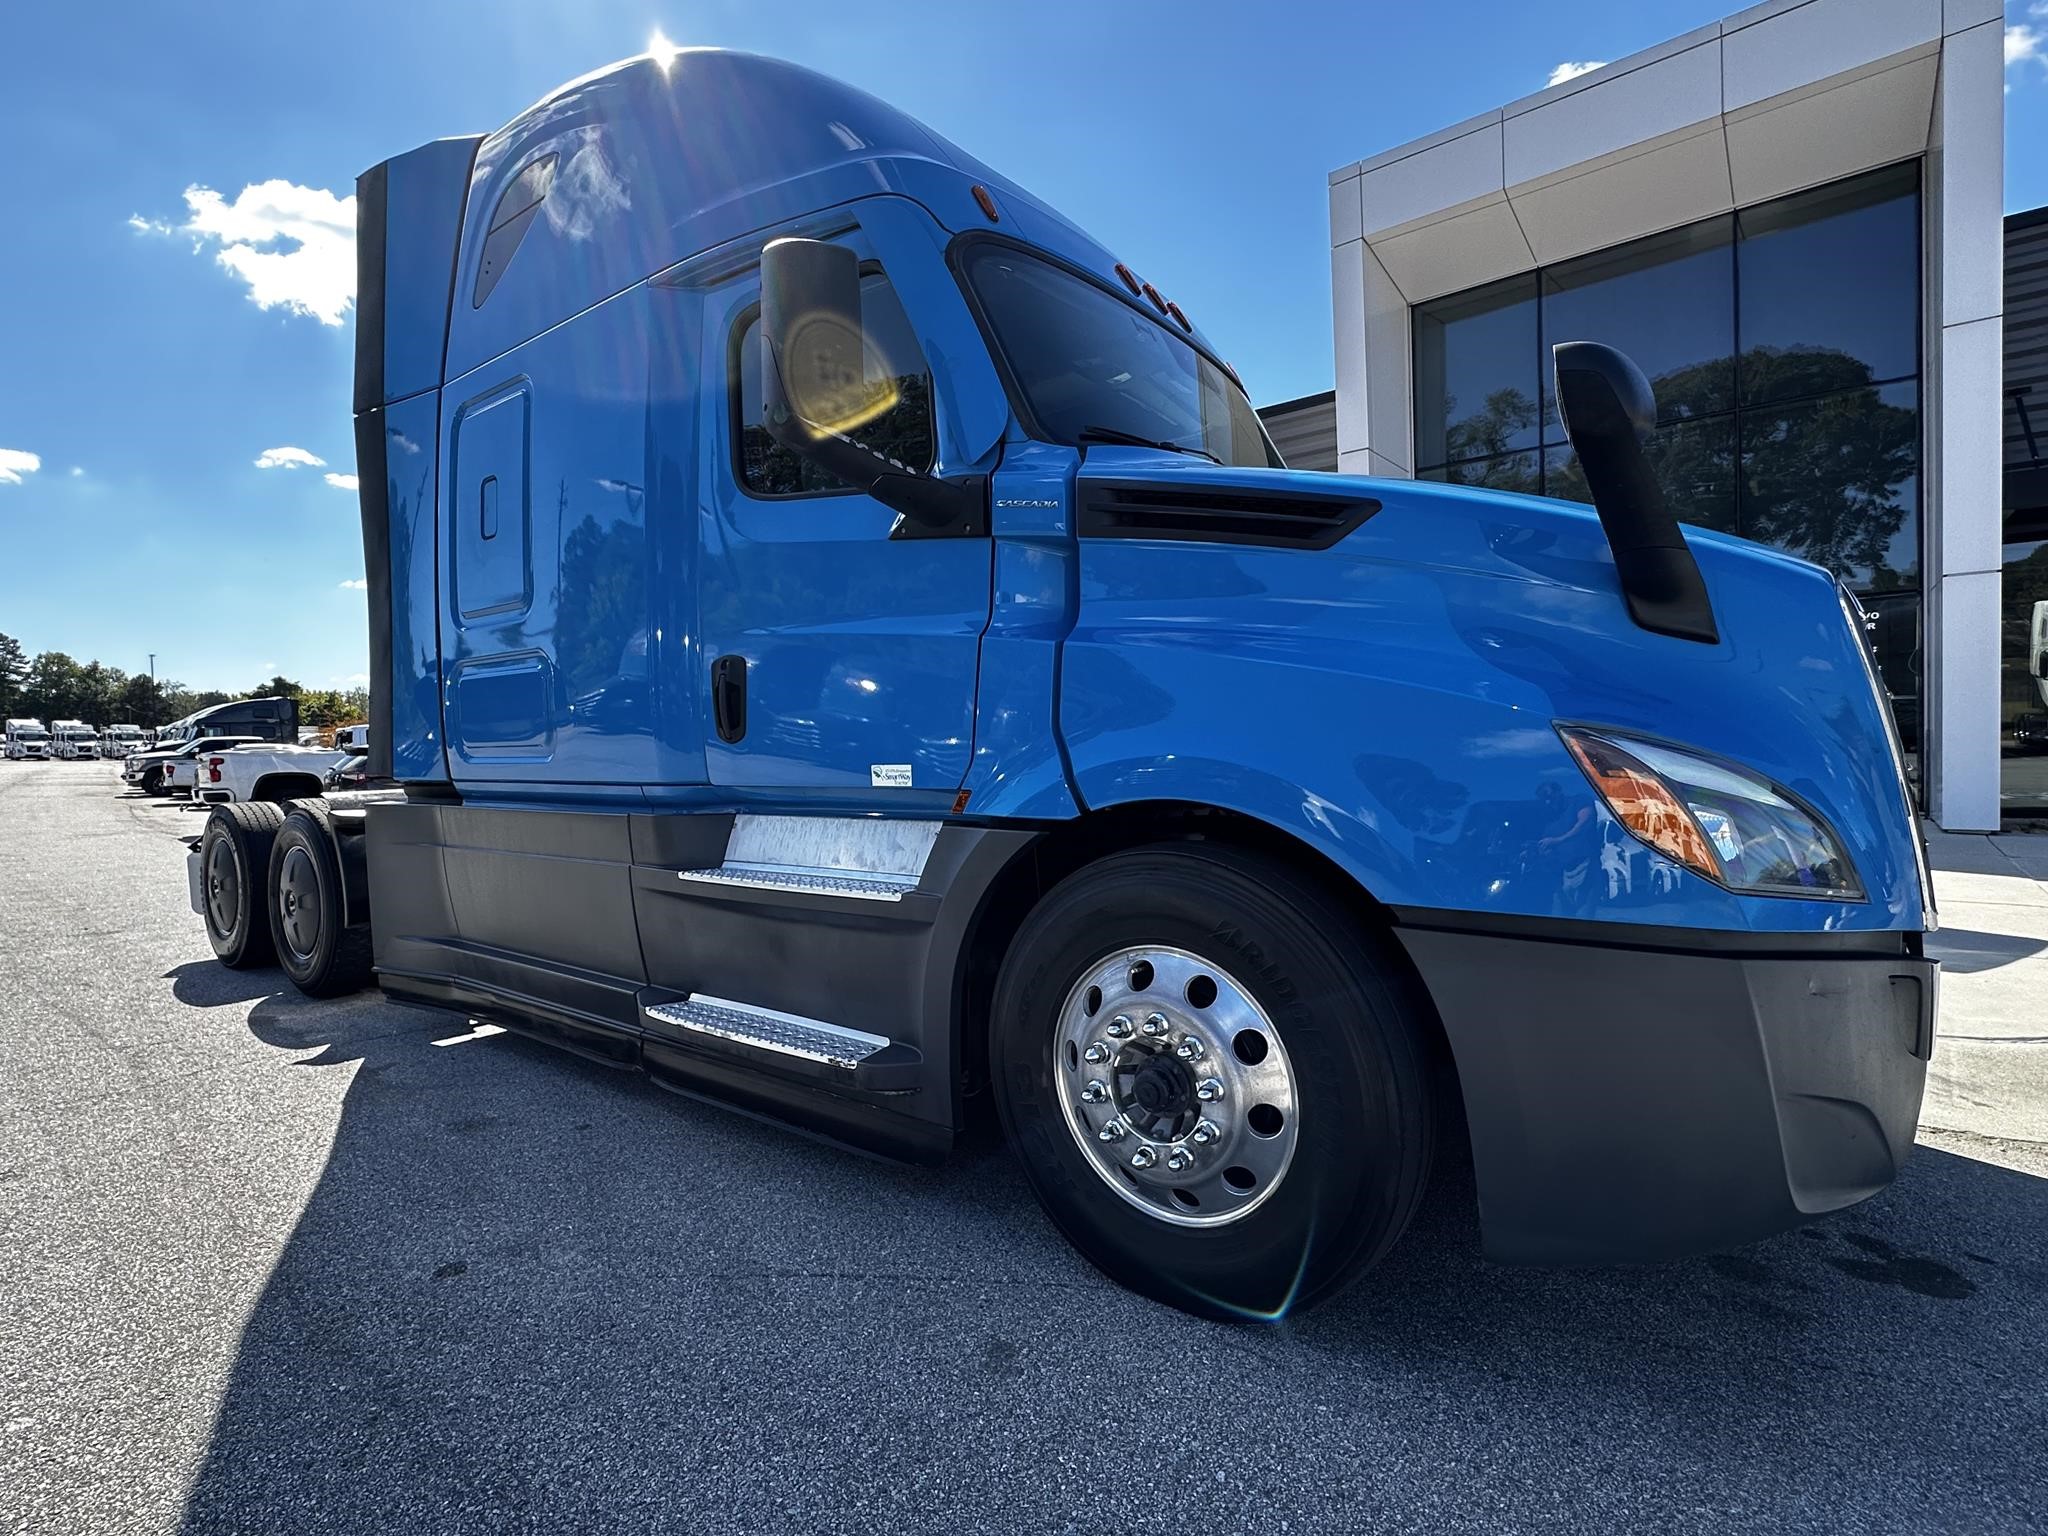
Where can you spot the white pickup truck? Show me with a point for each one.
(262, 772)
(164, 769)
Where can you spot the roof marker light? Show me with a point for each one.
(1130, 278)
(1153, 294)
(1174, 310)
(988, 205)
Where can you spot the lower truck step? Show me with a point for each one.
(787, 1041)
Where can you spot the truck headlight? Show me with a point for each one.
(1721, 821)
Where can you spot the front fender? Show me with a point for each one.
(1392, 702)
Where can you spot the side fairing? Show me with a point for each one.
(397, 453)
(1392, 701)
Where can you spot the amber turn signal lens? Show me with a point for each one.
(1641, 803)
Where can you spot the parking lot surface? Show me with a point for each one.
(271, 1265)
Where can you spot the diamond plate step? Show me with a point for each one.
(867, 886)
(787, 1034)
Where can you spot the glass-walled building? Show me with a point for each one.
(1783, 342)
(2023, 638)
(1791, 220)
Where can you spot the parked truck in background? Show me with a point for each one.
(27, 739)
(843, 643)
(163, 769)
(118, 742)
(261, 772)
(74, 740)
(264, 719)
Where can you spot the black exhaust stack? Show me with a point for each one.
(1608, 411)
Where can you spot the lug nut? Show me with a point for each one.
(1096, 1052)
(1120, 1027)
(1114, 1131)
(1209, 1090)
(1204, 1132)
(1144, 1157)
(1155, 1024)
(1096, 1091)
(1189, 1048)
(1179, 1158)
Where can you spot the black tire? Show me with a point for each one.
(234, 869)
(1353, 1026)
(321, 955)
(153, 781)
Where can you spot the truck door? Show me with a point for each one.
(841, 653)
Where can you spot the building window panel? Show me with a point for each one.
(1477, 383)
(1837, 480)
(1667, 301)
(1828, 285)
(2023, 664)
(1505, 472)
(1694, 462)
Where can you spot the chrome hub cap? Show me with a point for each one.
(1175, 1086)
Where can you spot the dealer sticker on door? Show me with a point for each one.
(889, 775)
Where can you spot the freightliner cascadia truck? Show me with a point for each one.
(843, 644)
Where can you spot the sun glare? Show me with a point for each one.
(661, 50)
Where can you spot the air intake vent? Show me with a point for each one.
(1219, 514)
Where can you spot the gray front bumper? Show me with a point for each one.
(1642, 1103)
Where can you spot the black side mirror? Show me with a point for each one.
(817, 389)
(1608, 411)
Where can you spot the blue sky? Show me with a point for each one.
(141, 374)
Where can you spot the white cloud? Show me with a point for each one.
(359, 584)
(77, 470)
(1571, 69)
(288, 458)
(2023, 42)
(294, 246)
(344, 482)
(144, 226)
(16, 462)
(353, 680)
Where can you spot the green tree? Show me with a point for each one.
(13, 668)
(52, 688)
(323, 707)
(138, 702)
(279, 687)
(99, 688)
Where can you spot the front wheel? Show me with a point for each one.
(1215, 1076)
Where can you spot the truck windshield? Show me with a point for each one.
(1093, 368)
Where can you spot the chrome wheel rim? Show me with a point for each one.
(1175, 1086)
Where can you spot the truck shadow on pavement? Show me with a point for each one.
(1965, 951)
(530, 1292)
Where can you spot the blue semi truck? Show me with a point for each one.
(844, 644)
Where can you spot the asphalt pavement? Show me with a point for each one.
(272, 1265)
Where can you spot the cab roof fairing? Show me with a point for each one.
(660, 160)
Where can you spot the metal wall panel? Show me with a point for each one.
(1305, 431)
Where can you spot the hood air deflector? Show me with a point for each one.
(1608, 411)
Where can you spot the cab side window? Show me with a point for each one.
(904, 431)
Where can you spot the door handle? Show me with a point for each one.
(729, 696)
